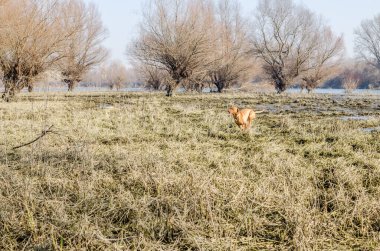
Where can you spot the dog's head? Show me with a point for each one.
(233, 110)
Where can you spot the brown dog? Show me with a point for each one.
(243, 117)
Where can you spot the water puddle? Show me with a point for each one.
(371, 129)
(355, 117)
(106, 106)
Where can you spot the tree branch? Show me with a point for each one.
(44, 133)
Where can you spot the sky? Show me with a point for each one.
(121, 18)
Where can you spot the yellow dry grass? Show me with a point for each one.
(143, 172)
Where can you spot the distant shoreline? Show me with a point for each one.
(81, 89)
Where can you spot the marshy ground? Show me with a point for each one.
(141, 171)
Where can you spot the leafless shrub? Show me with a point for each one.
(351, 81)
(196, 84)
(152, 77)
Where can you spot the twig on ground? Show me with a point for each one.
(44, 132)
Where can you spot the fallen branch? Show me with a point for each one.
(44, 132)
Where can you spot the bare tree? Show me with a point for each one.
(93, 77)
(152, 77)
(286, 38)
(230, 58)
(30, 41)
(113, 75)
(116, 75)
(367, 41)
(174, 36)
(324, 60)
(84, 48)
(196, 84)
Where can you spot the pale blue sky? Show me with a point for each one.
(121, 17)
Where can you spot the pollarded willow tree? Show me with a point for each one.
(174, 36)
(230, 46)
(324, 60)
(83, 49)
(30, 41)
(38, 36)
(288, 39)
(367, 41)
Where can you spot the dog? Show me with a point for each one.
(243, 117)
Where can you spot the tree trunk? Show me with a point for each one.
(171, 88)
(279, 80)
(118, 86)
(220, 88)
(156, 85)
(30, 87)
(280, 85)
(12, 86)
(169, 91)
(71, 85)
(9, 92)
(310, 84)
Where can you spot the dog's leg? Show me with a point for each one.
(251, 117)
(250, 122)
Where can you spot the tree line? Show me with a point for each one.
(191, 44)
(200, 43)
(113, 75)
(50, 35)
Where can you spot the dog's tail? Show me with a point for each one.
(259, 111)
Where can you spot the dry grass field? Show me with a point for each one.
(143, 172)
